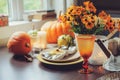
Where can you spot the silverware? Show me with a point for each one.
(102, 46)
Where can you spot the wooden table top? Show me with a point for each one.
(11, 69)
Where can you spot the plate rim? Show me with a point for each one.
(39, 57)
(60, 60)
(69, 60)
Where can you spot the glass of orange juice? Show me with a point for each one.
(85, 44)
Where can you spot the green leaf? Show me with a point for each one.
(99, 29)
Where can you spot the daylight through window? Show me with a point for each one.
(3, 6)
(32, 5)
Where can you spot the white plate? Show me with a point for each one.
(70, 57)
(79, 60)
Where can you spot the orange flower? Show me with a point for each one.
(70, 18)
(84, 20)
(104, 15)
(110, 25)
(88, 18)
(71, 10)
(93, 19)
(79, 10)
(89, 6)
(63, 18)
(111, 28)
(89, 25)
(86, 3)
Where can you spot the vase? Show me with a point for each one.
(85, 46)
(98, 57)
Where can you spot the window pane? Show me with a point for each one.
(30, 5)
(3, 7)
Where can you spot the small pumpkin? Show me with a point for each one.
(54, 29)
(114, 46)
(65, 40)
(19, 43)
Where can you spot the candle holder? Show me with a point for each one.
(39, 42)
(42, 39)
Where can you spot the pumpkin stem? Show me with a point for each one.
(60, 13)
(27, 45)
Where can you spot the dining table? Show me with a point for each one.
(12, 69)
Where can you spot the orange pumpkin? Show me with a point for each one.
(55, 29)
(19, 43)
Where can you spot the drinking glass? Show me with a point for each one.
(85, 44)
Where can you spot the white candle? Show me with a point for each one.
(42, 39)
(34, 41)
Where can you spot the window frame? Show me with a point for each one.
(17, 9)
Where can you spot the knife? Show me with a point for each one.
(102, 46)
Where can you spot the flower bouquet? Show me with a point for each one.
(84, 20)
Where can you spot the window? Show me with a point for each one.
(3, 7)
(32, 5)
(15, 9)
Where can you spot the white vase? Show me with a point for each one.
(98, 57)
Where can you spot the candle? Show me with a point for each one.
(42, 39)
(34, 41)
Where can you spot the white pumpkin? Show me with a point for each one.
(114, 46)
